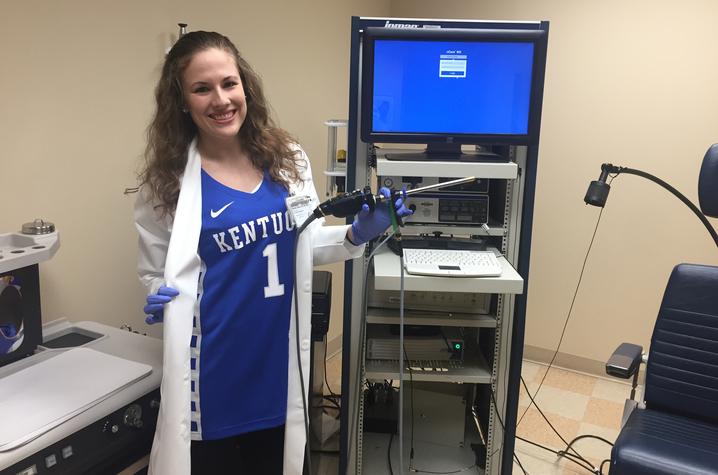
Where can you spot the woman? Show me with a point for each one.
(216, 253)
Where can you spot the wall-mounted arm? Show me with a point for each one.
(597, 192)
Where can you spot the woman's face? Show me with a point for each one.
(214, 96)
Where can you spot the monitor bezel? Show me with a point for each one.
(371, 34)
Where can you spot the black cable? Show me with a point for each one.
(587, 436)
(334, 403)
(388, 454)
(446, 340)
(411, 381)
(577, 458)
(568, 317)
(520, 466)
(600, 467)
(589, 468)
(326, 381)
(503, 427)
(568, 445)
(295, 298)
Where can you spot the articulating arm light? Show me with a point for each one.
(597, 192)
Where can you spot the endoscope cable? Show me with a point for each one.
(295, 298)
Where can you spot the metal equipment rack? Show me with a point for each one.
(492, 364)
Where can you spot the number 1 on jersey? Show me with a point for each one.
(273, 288)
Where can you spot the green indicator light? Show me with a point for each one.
(457, 346)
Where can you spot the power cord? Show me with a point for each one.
(564, 453)
(568, 318)
(333, 397)
(388, 454)
(326, 381)
(568, 446)
(575, 457)
(307, 452)
(503, 427)
(561, 453)
(591, 436)
(590, 469)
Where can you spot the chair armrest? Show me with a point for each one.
(624, 362)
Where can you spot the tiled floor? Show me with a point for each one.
(575, 403)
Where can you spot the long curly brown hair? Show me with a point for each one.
(171, 130)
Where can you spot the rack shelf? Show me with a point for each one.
(411, 228)
(387, 277)
(453, 319)
(473, 370)
(505, 170)
(336, 172)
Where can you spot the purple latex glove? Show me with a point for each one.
(370, 224)
(155, 307)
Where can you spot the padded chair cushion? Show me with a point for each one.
(708, 183)
(656, 443)
(682, 370)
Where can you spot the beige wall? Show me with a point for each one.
(78, 79)
(628, 82)
(632, 83)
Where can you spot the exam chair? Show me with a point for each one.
(673, 429)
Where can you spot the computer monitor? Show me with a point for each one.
(447, 87)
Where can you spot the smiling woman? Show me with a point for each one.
(217, 254)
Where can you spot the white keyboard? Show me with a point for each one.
(451, 263)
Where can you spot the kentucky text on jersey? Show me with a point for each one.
(246, 233)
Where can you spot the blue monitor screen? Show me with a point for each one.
(452, 87)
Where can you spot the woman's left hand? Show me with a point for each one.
(369, 224)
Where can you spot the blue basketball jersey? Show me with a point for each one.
(239, 347)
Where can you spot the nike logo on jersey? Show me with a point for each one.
(214, 213)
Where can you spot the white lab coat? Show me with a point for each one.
(168, 254)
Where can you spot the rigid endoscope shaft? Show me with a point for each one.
(458, 181)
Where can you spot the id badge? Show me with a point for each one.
(300, 207)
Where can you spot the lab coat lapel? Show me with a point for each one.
(171, 448)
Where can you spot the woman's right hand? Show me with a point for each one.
(155, 307)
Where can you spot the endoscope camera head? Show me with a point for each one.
(346, 204)
(597, 192)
